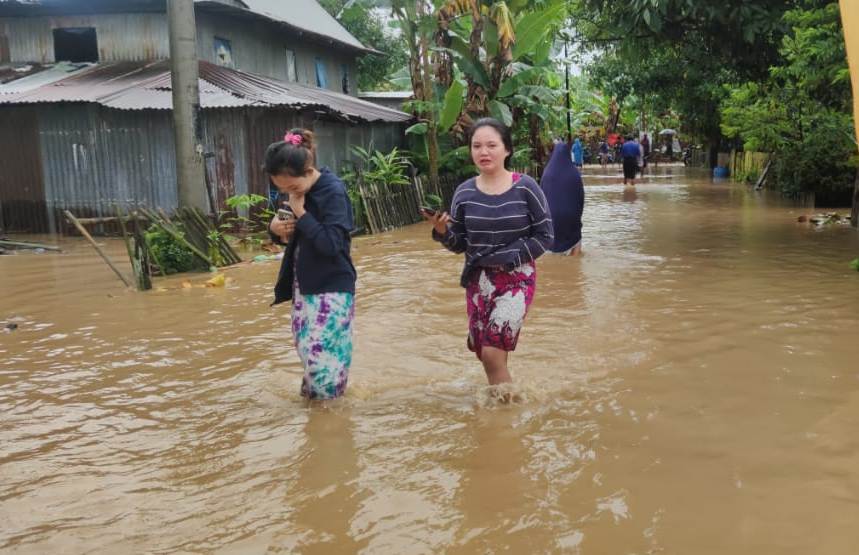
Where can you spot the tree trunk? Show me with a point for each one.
(429, 96)
(714, 140)
(476, 96)
(854, 215)
(537, 150)
(442, 60)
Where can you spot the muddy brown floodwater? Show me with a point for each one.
(691, 387)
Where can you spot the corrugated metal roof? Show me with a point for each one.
(140, 86)
(279, 93)
(396, 95)
(23, 78)
(304, 15)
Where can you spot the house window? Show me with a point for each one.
(75, 44)
(321, 74)
(344, 78)
(223, 52)
(291, 73)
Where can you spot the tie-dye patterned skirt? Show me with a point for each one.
(322, 329)
(497, 302)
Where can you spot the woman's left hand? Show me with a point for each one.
(296, 202)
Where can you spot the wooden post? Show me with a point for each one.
(74, 221)
(763, 177)
(140, 258)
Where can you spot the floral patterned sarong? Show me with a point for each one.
(497, 302)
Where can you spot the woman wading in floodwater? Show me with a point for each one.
(501, 221)
(317, 272)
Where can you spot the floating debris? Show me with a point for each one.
(823, 219)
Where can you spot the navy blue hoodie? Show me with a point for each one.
(322, 234)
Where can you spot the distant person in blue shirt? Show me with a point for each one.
(630, 153)
(578, 153)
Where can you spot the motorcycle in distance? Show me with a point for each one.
(687, 155)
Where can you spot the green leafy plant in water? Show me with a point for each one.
(212, 239)
(381, 168)
(253, 229)
(173, 256)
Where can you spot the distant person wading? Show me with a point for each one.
(630, 154)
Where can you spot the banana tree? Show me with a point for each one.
(501, 49)
(417, 24)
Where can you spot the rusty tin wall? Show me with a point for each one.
(22, 194)
(121, 37)
(95, 159)
(225, 136)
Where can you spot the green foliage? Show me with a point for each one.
(855, 264)
(531, 29)
(418, 129)
(369, 28)
(253, 228)
(245, 202)
(383, 169)
(173, 256)
(802, 113)
(452, 106)
(455, 161)
(820, 161)
(501, 112)
(433, 202)
(212, 239)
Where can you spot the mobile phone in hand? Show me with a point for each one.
(428, 211)
(284, 215)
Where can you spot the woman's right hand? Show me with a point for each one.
(282, 228)
(439, 221)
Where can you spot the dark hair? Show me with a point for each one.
(290, 158)
(630, 138)
(502, 130)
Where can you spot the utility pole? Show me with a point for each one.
(567, 83)
(184, 73)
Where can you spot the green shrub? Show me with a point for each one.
(171, 255)
(822, 162)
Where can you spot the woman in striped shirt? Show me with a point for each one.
(500, 220)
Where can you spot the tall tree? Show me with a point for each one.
(361, 19)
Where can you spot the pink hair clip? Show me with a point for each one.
(293, 139)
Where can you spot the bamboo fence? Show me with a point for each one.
(382, 207)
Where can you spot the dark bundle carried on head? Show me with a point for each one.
(294, 155)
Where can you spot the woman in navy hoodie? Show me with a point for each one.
(317, 273)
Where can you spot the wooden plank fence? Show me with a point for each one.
(382, 207)
(379, 207)
(748, 165)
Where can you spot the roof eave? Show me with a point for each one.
(215, 6)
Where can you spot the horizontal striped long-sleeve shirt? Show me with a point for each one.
(505, 230)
